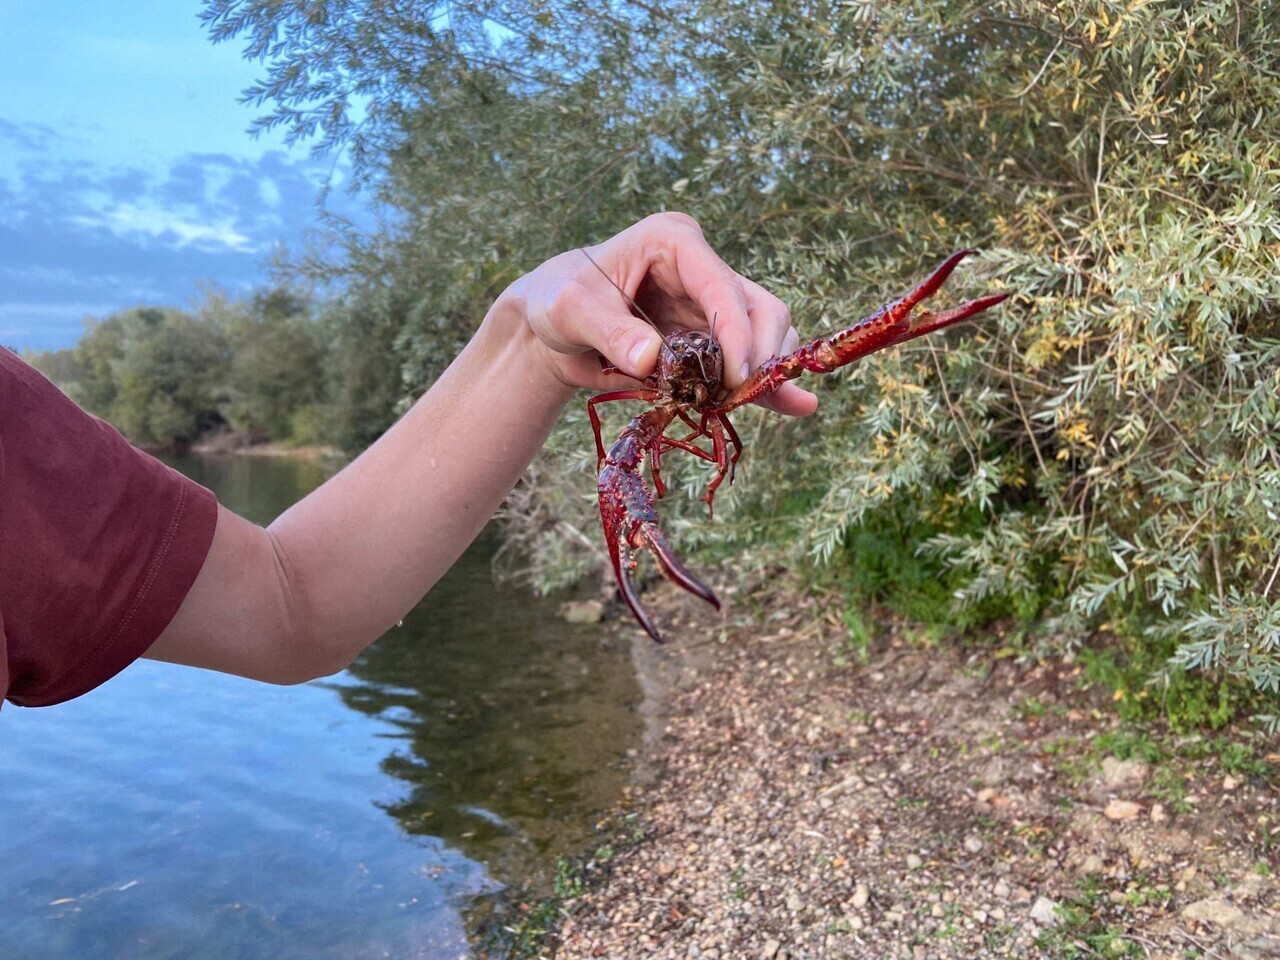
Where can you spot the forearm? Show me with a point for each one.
(361, 550)
(303, 597)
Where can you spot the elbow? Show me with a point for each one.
(306, 645)
(304, 667)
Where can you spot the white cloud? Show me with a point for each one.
(170, 227)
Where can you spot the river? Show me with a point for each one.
(175, 813)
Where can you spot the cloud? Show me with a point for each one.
(76, 234)
(28, 137)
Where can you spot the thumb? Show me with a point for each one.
(627, 342)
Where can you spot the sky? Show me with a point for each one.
(127, 173)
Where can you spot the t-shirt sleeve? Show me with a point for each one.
(99, 543)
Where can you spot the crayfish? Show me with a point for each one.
(687, 384)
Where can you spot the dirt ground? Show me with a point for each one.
(798, 801)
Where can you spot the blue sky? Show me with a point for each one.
(126, 172)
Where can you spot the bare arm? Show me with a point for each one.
(302, 597)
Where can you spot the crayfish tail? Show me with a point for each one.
(673, 569)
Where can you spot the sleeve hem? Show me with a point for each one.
(168, 579)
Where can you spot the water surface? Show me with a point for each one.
(174, 813)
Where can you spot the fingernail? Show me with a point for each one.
(744, 371)
(635, 356)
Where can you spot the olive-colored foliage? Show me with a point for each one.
(166, 376)
(277, 356)
(157, 374)
(1115, 424)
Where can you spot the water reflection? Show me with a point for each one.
(175, 813)
(511, 722)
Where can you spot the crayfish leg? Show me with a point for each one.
(638, 393)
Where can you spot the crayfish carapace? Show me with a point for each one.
(687, 386)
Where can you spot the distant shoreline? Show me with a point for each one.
(245, 444)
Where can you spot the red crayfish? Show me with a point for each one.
(687, 383)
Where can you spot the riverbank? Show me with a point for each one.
(799, 801)
(246, 444)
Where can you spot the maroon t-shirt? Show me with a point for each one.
(99, 543)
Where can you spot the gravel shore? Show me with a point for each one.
(798, 802)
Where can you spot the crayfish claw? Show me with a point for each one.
(622, 572)
(649, 535)
(673, 569)
(964, 311)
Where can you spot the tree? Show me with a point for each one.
(276, 371)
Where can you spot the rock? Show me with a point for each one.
(973, 844)
(861, 894)
(914, 862)
(582, 611)
(1157, 813)
(994, 772)
(1001, 890)
(1091, 865)
(770, 950)
(1229, 782)
(1044, 912)
(1122, 773)
(794, 903)
(1121, 810)
(1258, 947)
(1217, 912)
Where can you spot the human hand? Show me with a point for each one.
(574, 306)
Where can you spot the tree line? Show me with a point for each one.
(268, 366)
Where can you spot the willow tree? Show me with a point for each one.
(1105, 450)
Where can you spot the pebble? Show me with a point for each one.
(1119, 773)
(1217, 912)
(1001, 890)
(582, 611)
(861, 894)
(770, 950)
(914, 862)
(1044, 912)
(1121, 810)
(1092, 864)
(972, 844)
